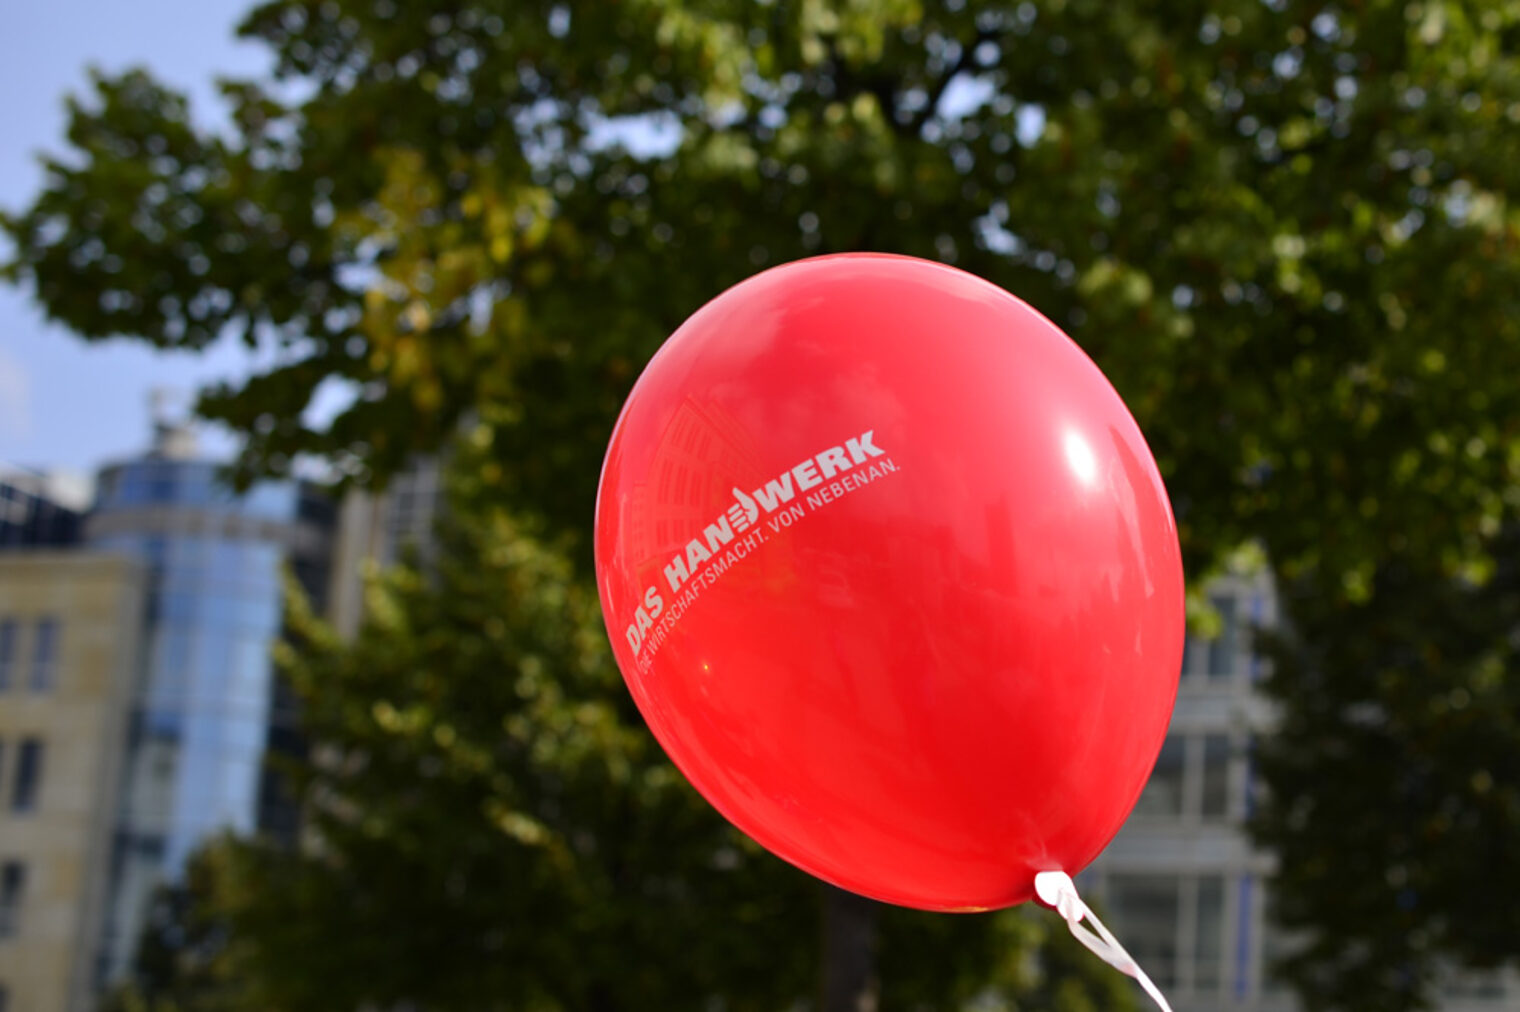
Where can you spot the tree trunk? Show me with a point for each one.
(849, 952)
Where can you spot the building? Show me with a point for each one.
(206, 706)
(1183, 889)
(382, 529)
(70, 623)
(1180, 886)
(39, 508)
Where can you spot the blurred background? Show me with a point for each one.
(317, 319)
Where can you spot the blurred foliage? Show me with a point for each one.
(1285, 229)
(182, 962)
(491, 827)
(1400, 748)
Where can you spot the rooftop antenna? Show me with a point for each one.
(173, 436)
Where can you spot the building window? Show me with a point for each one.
(1174, 925)
(1215, 800)
(1224, 647)
(12, 885)
(1208, 935)
(7, 651)
(45, 655)
(1145, 915)
(28, 775)
(1162, 796)
(5, 999)
(1218, 658)
(1194, 779)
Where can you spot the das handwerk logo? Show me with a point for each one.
(753, 519)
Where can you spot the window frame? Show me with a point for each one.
(10, 639)
(26, 783)
(1222, 983)
(47, 637)
(12, 896)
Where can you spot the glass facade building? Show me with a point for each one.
(207, 707)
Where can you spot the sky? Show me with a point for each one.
(65, 403)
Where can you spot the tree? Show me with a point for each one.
(1281, 228)
(1400, 745)
(181, 963)
(493, 828)
(1285, 229)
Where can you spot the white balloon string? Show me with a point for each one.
(1056, 889)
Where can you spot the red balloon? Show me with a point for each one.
(891, 574)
